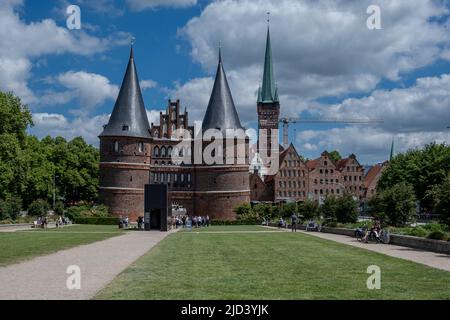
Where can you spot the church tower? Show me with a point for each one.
(125, 150)
(268, 105)
(220, 187)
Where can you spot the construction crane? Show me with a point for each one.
(287, 121)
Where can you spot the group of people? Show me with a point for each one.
(62, 221)
(189, 222)
(294, 219)
(41, 222)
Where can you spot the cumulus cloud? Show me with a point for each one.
(320, 48)
(412, 116)
(147, 84)
(58, 125)
(22, 42)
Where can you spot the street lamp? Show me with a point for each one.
(54, 190)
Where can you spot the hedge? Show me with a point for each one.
(233, 222)
(96, 220)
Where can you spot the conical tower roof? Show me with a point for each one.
(269, 92)
(129, 117)
(221, 113)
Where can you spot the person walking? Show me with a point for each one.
(294, 222)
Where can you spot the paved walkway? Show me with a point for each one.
(45, 278)
(432, 259)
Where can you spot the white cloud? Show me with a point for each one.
(139, 5)
(58, 125)
(320, 48)
(24, 41)
(194, 95)
(91, 89)
(147, 84)
(412, 117)
(153, 116)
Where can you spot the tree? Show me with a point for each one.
(288, 209)
(308, 209)
(421, 168)
(263, 210)
(346, 209)
(441, 198)
(329, 208)
(15, 117)
(335, 155)
(38, 208)
(396, 205)
(10, 208)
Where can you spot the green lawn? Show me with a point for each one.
(21, 245)
(263, 265)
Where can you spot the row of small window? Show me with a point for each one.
(292, 163)
(354, 178)
(292, 173)
(326, 171)
(327, 191)
(140, 146)
(326, 181)
(171, 177)
(292, 194)
(164, 152)
(292, 184)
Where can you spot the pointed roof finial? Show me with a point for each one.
(268, 18)
(220, 51)
(132, 40)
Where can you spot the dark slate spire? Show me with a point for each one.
(268, 92)
(129, 118)
(221, 113)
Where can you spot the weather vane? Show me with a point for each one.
(268, 17)
(133, 39)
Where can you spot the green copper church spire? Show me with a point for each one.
(268, 92)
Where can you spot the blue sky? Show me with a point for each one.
(327, 64)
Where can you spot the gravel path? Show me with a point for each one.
(432, 259)
(45, 278)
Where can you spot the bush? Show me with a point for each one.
(308, 209)
(288, 209)
(441, 199)
(329, 209)
(87, 211)
(417, 232)
(346, 209)
(59, 208)
(246, 213)
(38, 208)
(396, 206)
(10, 208)
(96, 220)
(264, 210)
(437, 235)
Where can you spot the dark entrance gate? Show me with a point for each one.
(157, 207)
